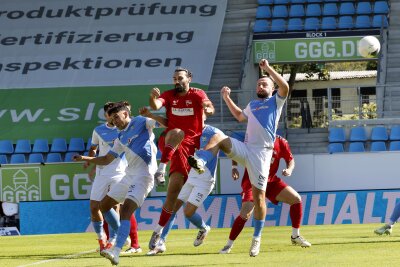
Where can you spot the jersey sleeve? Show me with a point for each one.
(151, 124)
(164, 97)
(202, 97)
(285, 150)
(246, 111)
(95, 139)
(117, 149)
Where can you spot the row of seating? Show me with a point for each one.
(285, 2)
(376, 146)
(38, 158)
(326, 23)
(327, 9)
(359, 134)
(24, 146)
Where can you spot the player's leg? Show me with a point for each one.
(97, 222)
(134, 237)
(387, 228)
(260, 211)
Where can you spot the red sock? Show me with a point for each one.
(105, 227)
(237, 227)
(296, 213)
(164, 217)
(167, 153)
(133, 234)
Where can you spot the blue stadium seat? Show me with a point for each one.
(394, 146)
(35, 158)
(40, 146)
(395, 133)
(279, 12)
(356, 147)
(315, 1)
(313, 10)
(337, 135)
(265, 2)
(330, 9)
(358, 134)
(6, 147)
(312, 24)
(53, 157)
(364, 8)
(346, 8)
(261, 26)
(89, 144)
(23, 146)
(379, 133)
(332, 0)
(381, 7)
(76, 144)
(281, 2)
(298, 1)
(379, 21)
(69, 155)
(59, 145)
(362, 22)
(378, 146)
(345, 22)
(278, 25)
(328, 23)
(295, 24)
(3, 159)
(17, 159)
(263, 12)
(296, 11)
(335, 148)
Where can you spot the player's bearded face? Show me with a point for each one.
(264, 88)
(179, 88)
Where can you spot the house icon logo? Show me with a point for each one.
(20, 184)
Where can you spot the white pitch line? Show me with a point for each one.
(60, 258)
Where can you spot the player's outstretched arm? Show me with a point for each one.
(145, 112)
(154, 102)
(233, 108)
(103, 160)
(283, 86)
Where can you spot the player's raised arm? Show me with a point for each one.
(283, 86)
(154, 102)
(145, 112)
(103, 160)
(233, 108)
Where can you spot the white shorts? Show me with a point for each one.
(256, 160)
(135, 185)
(102, 184)
(196, 190)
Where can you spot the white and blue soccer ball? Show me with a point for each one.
(369, 46)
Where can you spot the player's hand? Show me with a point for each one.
(145, 112)
(225, 92)
(77, 158)
(263, 64)
(286, 172)
(155, 93)
(235, 173)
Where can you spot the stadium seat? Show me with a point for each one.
(23, 146)
(394, 146)
(40, 146)
(68, 156)
(17, 159)
(381, 7)
(313, 10)
(281, 2)
(261, 26)
(363, 8)
(298, 1)
(263, 12)
(296, 11)
(89, 144)
(356, 147)
(346, 8)
(312, 24)
(278, 25)
(337, 135)
(379, 133)
(314, 1)
(3, 159)
(6, 147)
(345, 22)
(379, 21)
(362, 22)
(265, 2)
(35, 158)
(330, 9)
(279, 12)
(76, 144)
(53, 157)
(335, 148)
(378, 146)
(295, 24)
(395, 133)
(59, 145)
(328, 23)
(332, 0)
(358, 134)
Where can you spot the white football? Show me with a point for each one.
(369, 46)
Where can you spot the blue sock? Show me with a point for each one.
(197, 221)
(98, 228)
(112, 219)
(396, 213)
(112, 233)
(205, 155)
(258, 226)
(123, 232)
(167, 228)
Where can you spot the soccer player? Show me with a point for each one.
(184, 111)
(262, 116)
(136, 140)
(387, 228)
(277, 191)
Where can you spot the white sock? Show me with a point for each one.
(117, 250)
(158, 229)
(390, 223)
(162, 167)
(230, 242)
(295, 232)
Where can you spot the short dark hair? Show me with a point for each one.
(117, 107)
(189, 74)
(107, 106)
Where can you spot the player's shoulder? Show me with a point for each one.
(196, 91)
(281, 139)
(101, 128)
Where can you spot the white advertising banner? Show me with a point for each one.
(71, 43)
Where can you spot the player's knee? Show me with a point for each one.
(176, 134)
(296, 198)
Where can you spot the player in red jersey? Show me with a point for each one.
(277, 191)
(184, 111)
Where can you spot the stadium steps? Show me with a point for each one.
(308, 141)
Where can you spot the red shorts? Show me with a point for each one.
(274, 186)
(179, 162)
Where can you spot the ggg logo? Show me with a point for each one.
(20, 184)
